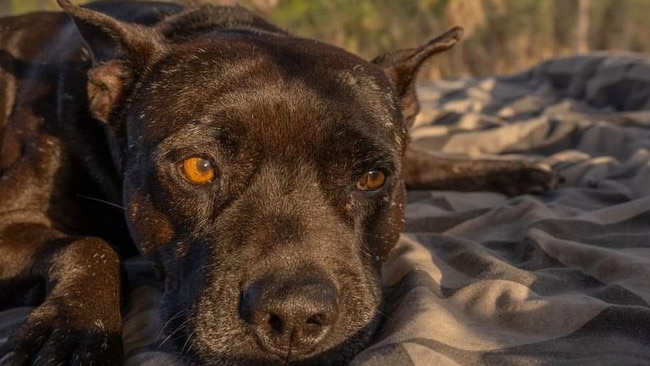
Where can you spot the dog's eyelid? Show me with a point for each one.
(177, 156)
(387, 168)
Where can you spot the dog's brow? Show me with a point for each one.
(199, 135)
(376, 160)
(363, 150)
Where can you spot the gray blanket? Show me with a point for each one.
(563, 278)
(481, 278)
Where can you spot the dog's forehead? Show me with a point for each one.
(290, 82)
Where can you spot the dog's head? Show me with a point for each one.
(261, 176)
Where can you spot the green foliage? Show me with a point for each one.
(24, 6)
(503, 36)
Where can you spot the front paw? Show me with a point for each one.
(55, 335)
(525, 178)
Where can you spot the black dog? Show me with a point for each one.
(262, 174)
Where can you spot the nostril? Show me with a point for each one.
(276, 323)
(316, 320)
(267, 320)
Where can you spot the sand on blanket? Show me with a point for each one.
(481, 278)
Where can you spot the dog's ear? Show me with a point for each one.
(119, 50)
(402, 67)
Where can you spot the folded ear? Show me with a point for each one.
(402, 67)
(120, 51)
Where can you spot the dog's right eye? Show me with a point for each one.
(372, 181)
(198, 170)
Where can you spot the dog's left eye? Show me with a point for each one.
(371, 181)
(198, 170)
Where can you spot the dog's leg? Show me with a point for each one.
(426, 171)
(79, 322)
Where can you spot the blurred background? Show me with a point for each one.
(501, 36)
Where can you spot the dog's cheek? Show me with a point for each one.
(150, 229)
(390, 222)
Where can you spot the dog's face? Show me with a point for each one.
(262, 178)
(268, 190)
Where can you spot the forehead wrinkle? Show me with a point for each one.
(221, 58)
(277, 122)
(364, 150)
(270, 109)
(190, 134)
(260, 91)
(267, 60)
(169, 92)
(181, 140)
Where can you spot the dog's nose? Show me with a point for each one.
(290, 318)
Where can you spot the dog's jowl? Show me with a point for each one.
(261, 174)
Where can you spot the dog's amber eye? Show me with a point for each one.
(198, 170)
(371, 181)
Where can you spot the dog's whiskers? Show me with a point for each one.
(188, 341)
(101, 201)
(180, 327)
(168, 322)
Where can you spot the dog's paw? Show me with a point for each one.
(51, 336)
(528, 177)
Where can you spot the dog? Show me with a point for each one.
(262, 174)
